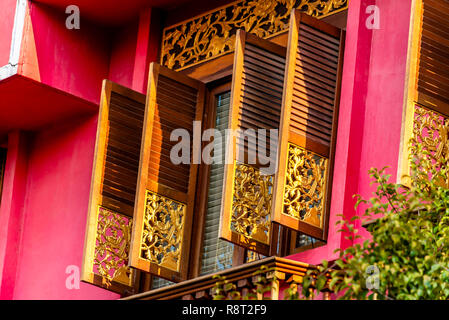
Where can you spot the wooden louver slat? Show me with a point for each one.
(113, 188)
(433, 68)
(166, 191)
(308, 125)
(257, 86)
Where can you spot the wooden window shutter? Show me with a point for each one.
(166, 191)
(427, 108)
(113, 189)
(256, 97)
(433, 67)
(308, 125)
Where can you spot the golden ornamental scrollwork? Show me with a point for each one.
(162, 231)
(431, 130)
(251, 205)
(213, 34)
(305, 185)
(112, 247)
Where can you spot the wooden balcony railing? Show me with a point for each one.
(244, 277)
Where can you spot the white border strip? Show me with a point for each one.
(17, 32)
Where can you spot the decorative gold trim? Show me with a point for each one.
(213, 34)
(305, 185)
(251, 204)
(112, 247)
(431, 130)
(410, 93)
(162, 234)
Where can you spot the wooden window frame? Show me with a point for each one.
(145, 184)
(217, 74)
(242, 39)
(96, 198)
(215, 88)
(413, 98)
(286, 137)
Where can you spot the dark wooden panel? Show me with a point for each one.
(176, 109)
(433, 70)
(262, 87)
(316, 74)
(125, 122)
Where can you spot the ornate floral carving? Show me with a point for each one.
(213, 34)
(431, 129)
(251, 205)
(112, 247)
(305, 185)
(162, 231)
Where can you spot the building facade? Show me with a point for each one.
(93, 205)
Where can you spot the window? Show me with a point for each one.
(157, 209)
(427, 108)
(216, 254)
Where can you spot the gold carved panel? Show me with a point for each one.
(305, 185)
(251, 207)
(431, 130)
(112, 247)
(162, 231)
(213, 34)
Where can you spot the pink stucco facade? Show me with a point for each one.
(46, 188)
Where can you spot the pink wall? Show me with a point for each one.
(148, 47)
(122, 55)
(7, 8)
(44, 211)
(12, 210)
(75, 61)
(54, 223)
(135, 46)
(369, 127)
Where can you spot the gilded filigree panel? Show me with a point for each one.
(213, 34)
(251, 207)
(305, 185)
(431, 130)
(162, 231)
(112, 247)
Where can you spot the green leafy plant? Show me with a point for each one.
(407, 256)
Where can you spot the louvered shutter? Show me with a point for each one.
(166, 191)
(2, 169)
(256, 96)
(308, 123)
(113, 188)
(433, 67)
